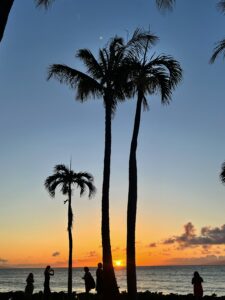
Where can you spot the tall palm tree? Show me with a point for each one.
(157, 74)
(105, 77)
(66, 179)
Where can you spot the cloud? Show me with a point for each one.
(92, 254)
(56, 253)
(152, 245)
(115, 249)
(3, 261)
(202, 260)
(208, 236)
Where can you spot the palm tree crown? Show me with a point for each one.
(104, 76)
(65, 177)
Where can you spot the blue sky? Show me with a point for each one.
(181, 146)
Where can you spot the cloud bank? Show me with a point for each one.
(208, 236)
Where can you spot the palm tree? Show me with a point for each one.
(104, 78)
(66, 179)
(160, 74)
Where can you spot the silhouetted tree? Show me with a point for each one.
(5, 8)
(148, 76)
(104, 78)
(66, 179)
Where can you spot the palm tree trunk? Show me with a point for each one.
(5, 7)
(70, 261)
(110, 288)
(132, 207)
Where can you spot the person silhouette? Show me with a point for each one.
(99, 279)
(30, 286)
(197, 285)
(48, 272)
(88, 280)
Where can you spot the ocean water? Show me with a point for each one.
(165, 279)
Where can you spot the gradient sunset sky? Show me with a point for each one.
(181, 202)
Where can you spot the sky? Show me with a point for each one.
(181, 201)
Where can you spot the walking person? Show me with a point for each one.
(99, 279)
(88, 280)
(197, 285)
(48, 272)
(30, 285)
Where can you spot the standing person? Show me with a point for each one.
(48, 272)
(197, 285)
(88, 280)
(99, 279)
(30, 286)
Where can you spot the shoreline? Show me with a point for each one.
(147, 295)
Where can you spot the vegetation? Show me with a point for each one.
(66, 178)
(220, 46)
(104, 78)
(148, 76)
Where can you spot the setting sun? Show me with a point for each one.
(118, 263)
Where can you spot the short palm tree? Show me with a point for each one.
(66, 179)
(148, 76)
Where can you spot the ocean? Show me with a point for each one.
(165, 279)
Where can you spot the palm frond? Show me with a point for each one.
(45, 3)
(220, 48)
(221, 6)
(64, 177)
(88, 86)
(165, 4)
(222, 174)
(52, 182)
(75, 79)
(141, 41)
(170, 65)
(61, 169)
(90, 62)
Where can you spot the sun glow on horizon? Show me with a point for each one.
(118, 263)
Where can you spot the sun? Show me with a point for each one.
(118, 263)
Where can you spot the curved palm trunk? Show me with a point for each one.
(5, 8)
(70, 261)
(110, 289)
(132, 206)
